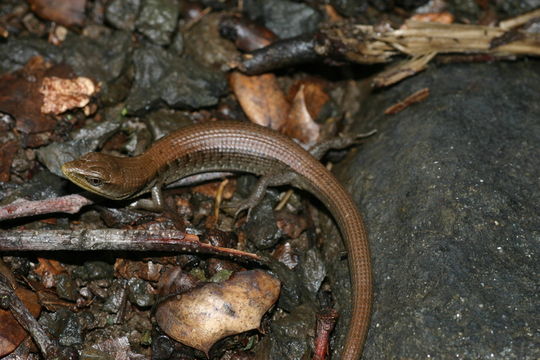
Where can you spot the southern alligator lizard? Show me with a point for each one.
(244, 147)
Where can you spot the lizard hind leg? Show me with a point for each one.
(342, 141)
(258, 192)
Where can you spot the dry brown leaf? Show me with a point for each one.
(65, 12)
(300, 124)
(49, 266)
(315, 95)
(11, 333)
(261, 98)
(20, 97)
(207, 314)
(47, 269)
(60, 95)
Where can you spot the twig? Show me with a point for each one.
(284, 200)
(366, 44)
(219, 197)
(418, 96)
(70, 204)
(326, 320)
(113, 239)
(519, 20)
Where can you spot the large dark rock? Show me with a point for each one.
(161, 76)
(450, 193)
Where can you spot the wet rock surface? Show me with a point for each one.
(449, 190)
(179, 82)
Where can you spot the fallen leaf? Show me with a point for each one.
(207, 314)
(60, 95)
(300, 124)
(11, 333)
(65, 12)
(49, 266)
(20, 96)
(315, 95)
(47, 269)
(261, 98)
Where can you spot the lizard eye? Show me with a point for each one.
(94, 181)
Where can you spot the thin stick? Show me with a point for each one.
(114, 239)
(70, 204)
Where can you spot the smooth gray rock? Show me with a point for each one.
(450, 193)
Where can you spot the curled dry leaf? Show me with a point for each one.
(205, 315)
(261, 98)
(300, 124)
(60, 95)
(315, 95)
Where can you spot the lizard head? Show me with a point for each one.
(100, 173)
